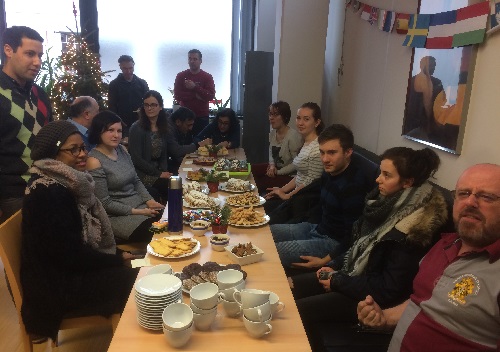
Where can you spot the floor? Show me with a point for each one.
(76, 340)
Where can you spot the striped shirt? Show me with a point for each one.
(308, 164)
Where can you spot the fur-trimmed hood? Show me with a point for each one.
(421, 225)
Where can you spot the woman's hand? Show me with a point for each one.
(277, 192)
(225, 144)
(165, 174)
(128, 257)
(153, 204)
(271, 171)
(146, 211)
(325, 283)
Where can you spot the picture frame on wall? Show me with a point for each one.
(439, 87)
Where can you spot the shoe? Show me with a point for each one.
(38, 339)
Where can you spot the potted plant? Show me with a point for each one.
(220, 218)
(217, 105)
(213, 178)
(213, 150)
(175, 103)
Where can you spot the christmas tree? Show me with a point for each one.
(80, 74)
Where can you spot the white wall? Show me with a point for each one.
(265, 18)
(371, 99)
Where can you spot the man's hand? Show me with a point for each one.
(206, 141)
(311, 262)
(165, 174)
(189, 84)
(370, 313)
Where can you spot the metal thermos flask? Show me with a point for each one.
(174, 205)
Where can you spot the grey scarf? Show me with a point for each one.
(380, 215)
(96, 229)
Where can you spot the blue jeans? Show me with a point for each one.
(294, 240)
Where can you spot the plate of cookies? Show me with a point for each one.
(246, 199)
(173, 247)
(194, 274)
(247, 217)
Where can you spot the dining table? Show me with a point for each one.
(226, 333)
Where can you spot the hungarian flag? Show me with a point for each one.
(386, 20)
(402, 23)
(458, 27)
(417, 31)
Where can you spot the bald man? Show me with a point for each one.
(82, 110)
(456, 294)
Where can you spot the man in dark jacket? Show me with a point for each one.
(126, 92)
(24, 109)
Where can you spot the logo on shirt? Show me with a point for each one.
(464, 286)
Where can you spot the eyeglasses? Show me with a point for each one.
(224, 123)
(150, 106)
(480, 196)
(75, 151)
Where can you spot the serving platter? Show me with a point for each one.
(223, 187)
(266, 220)
(194, 250)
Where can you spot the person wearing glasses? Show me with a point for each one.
(151, 142)
(400, 218)
(83, 110)
(224, 130)
(455, 302)
(284, 146)
(130, 207)
(69, 259)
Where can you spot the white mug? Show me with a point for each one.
(205, 295)
(227, 293)
(260, 313)
(276, 305)
(177, 316)
(229, 278)
(258, 329)
(232, 309)
(178, 338)
(250, 297)
(203, 321)
(197, 310)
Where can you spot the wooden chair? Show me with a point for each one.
(10, 252)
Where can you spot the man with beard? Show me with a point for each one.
(456, 293)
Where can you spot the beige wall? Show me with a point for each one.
(371, 98)
(299, 53)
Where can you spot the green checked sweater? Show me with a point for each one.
(23, 112)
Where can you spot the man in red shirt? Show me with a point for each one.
(194, 88)
(456, 294)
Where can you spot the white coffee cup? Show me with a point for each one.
(205, 295)
(232, 309)
(258, 329)
(177, 316)
(229, 278)
(197, 310)
(178, 338)
(227, 293)
(160, 269)
(260, 313)
(203, 321)
(250, 297)
(276, 305)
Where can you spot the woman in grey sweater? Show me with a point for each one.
(130, 207)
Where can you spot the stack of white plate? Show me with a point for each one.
(152, 294)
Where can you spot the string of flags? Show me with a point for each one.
(442, 30)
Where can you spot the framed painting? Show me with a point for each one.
(439, 86)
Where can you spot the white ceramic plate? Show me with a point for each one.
(216, 200)
(195, 249)
(261, 201)
(266, 220)
(204, 189)
(158, 284)
(222, 187)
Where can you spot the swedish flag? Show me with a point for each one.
(417, 31)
